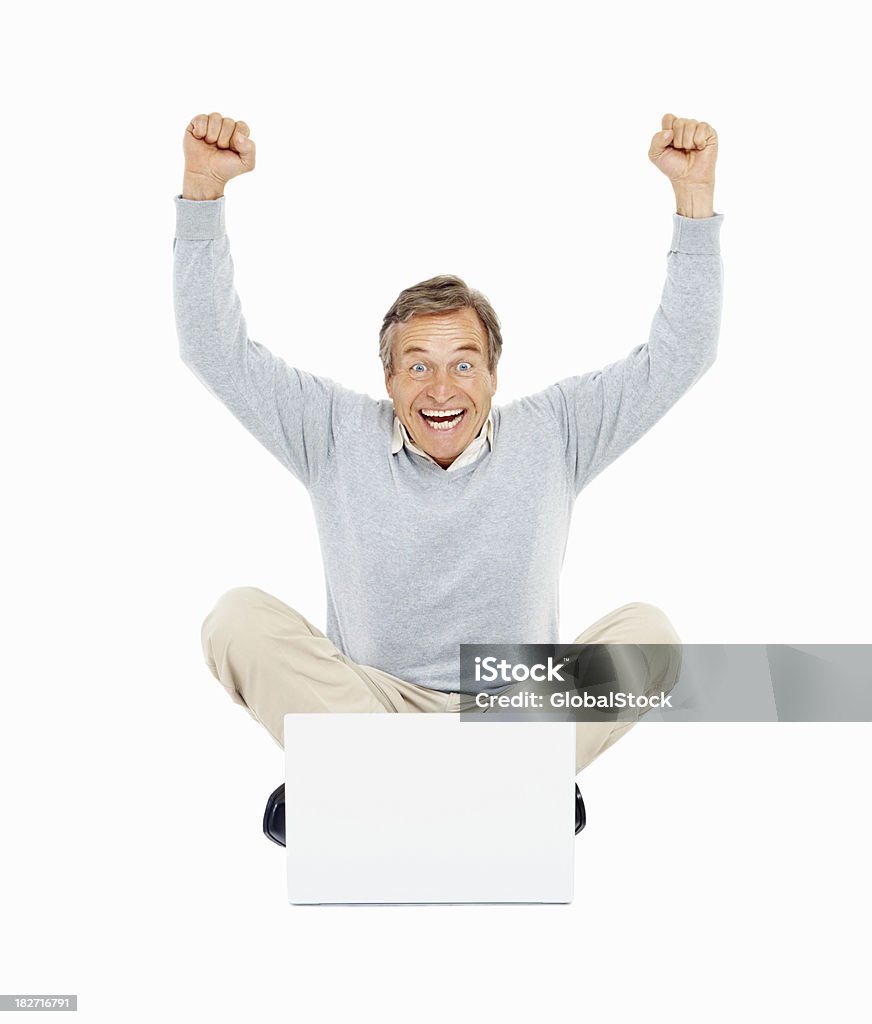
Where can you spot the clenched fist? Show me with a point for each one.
(216, 149)
(686, 150)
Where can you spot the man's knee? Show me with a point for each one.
(651, 624)
(663, 649)
(645, 637)
(234, 614)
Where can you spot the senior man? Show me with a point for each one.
(482, 493)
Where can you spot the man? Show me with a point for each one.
(443, 518)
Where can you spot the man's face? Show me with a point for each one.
(440, 367)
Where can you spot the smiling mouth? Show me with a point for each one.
(442, 419)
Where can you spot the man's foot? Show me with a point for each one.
(274, 815)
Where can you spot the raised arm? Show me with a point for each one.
(607, 411)
(289, 411)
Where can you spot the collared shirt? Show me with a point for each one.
(474, 450)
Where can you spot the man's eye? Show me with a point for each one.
(464, 367)
(418, 368)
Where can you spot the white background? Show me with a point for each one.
(724, 871)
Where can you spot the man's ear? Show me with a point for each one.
(493, 380)
(389, 381)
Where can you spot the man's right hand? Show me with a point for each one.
(216, 149)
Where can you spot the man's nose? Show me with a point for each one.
(441, 386)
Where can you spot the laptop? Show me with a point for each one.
(426, 808)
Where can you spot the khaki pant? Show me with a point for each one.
(273, 662)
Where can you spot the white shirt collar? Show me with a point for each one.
(470, 453)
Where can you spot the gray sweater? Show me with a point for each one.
(418, 560)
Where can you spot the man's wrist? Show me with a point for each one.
(195, 186)
(694, 200)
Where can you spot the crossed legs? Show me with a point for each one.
(273, 661)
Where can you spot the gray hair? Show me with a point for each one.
(441, 294)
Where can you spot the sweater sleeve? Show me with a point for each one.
(291, 412)
(605, 412)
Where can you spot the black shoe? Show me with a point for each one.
(580, 813)
(274, 816)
